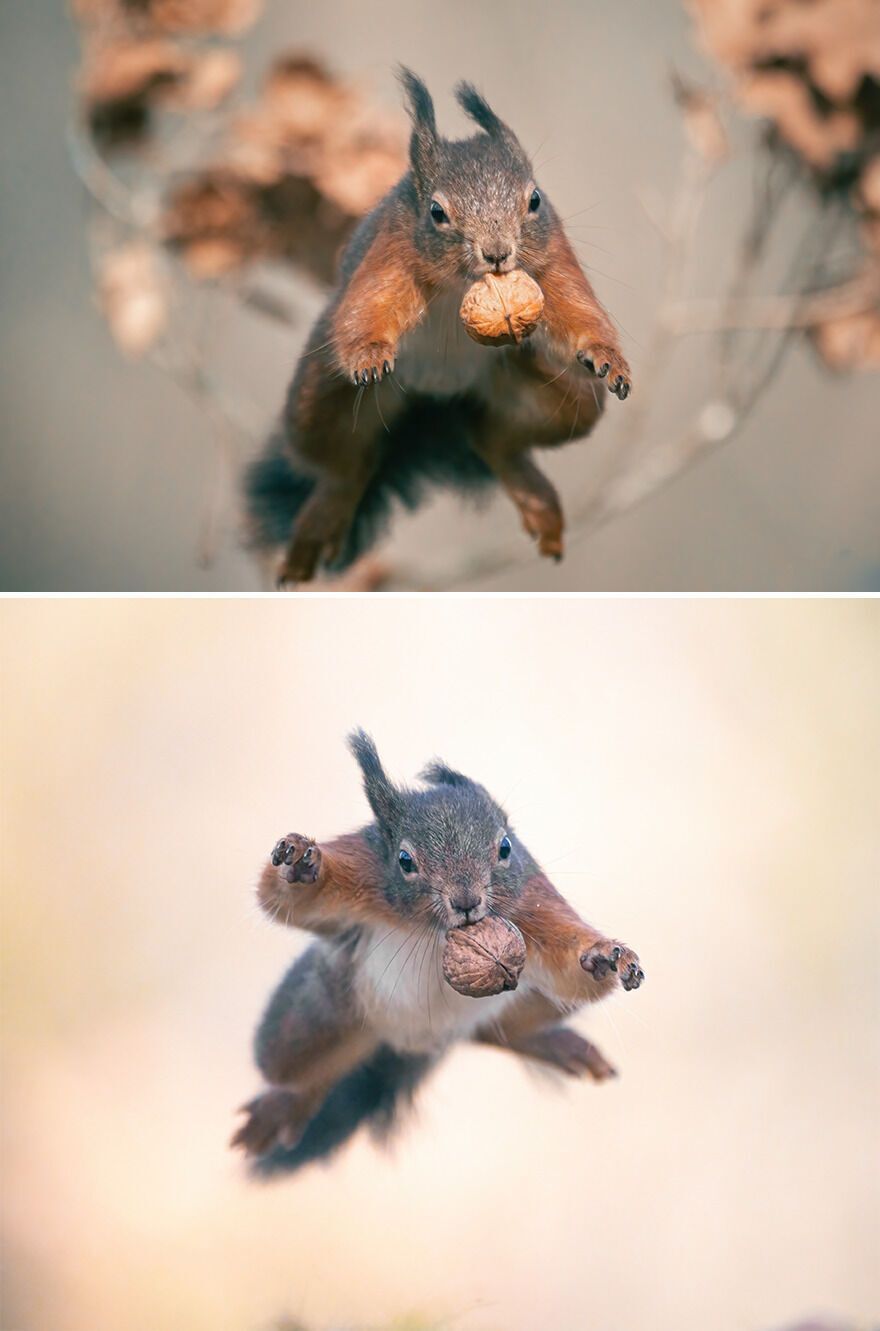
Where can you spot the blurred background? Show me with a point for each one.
(700, 778)
(121, 474)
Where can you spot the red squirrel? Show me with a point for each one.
(390, 394)
(364, 1014)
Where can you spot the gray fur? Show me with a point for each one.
(453, 829)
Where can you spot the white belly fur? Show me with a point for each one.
(401, 988)
(438, 356)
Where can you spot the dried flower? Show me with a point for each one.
(702, 121)
(124, 80)
(215, 220)
(133, 296)
(851, 342)
(172, 16)
(300, 167)
(812, 70)
(210, 79)
(120, 82)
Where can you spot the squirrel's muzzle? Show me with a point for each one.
(467, 905)
(497, 254)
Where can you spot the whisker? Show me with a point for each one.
(356, 410)
(419, 934)
(379, 409)
(580, 212)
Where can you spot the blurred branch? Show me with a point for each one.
(776, 313)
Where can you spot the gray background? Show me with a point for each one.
(106, 465)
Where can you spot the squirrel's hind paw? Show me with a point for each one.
(299, 856)
(273, 1119)
(568, 1051)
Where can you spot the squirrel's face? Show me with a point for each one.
(483, 212)
(449, 848)
(479, 208)
(450, 852)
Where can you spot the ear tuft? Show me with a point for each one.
(475, 105)
(438, 774)
(419, 102)
(423, 143)
(384, 798)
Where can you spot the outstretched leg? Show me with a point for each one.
(326, 888)
(561, 1048)
(577, 964)
(532, 1029)
(311, 1035)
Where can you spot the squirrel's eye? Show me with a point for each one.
(504, 848)
(406, 861)
(535, 201)
(438, 214)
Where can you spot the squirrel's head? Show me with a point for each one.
(479, 207)
(449, 847)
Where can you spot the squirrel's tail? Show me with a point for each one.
(373, 1094)
(426, 445)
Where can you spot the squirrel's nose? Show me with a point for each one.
(498, 258)
(468, 905)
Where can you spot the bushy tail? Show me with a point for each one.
(426, 445)
(373, 1094)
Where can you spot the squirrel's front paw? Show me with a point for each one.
(609, 955)
(606, 361)
(299, 856)
(372, 363)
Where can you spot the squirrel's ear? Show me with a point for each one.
(475, 105)
(438, 774)
(384, 798)
(423, 143)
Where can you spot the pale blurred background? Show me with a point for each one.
(107, 467)
(700, 778)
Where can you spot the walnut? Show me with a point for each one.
(484, 958)
(502, 308)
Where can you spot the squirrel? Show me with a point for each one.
(390, 394)
(364, 1014)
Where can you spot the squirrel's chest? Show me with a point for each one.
(401, 988)
(438, 357)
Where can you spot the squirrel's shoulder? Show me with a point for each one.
(395, 212)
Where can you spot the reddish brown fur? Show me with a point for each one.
(383, 301)
(555, 931)
(573, 315)
(347, 890)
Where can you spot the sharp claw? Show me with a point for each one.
(277, 853)
(357, 379)
(615, 956)
(365, 376)
(386, 368)
(307, 856)
(604, 370)
(375, 375)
